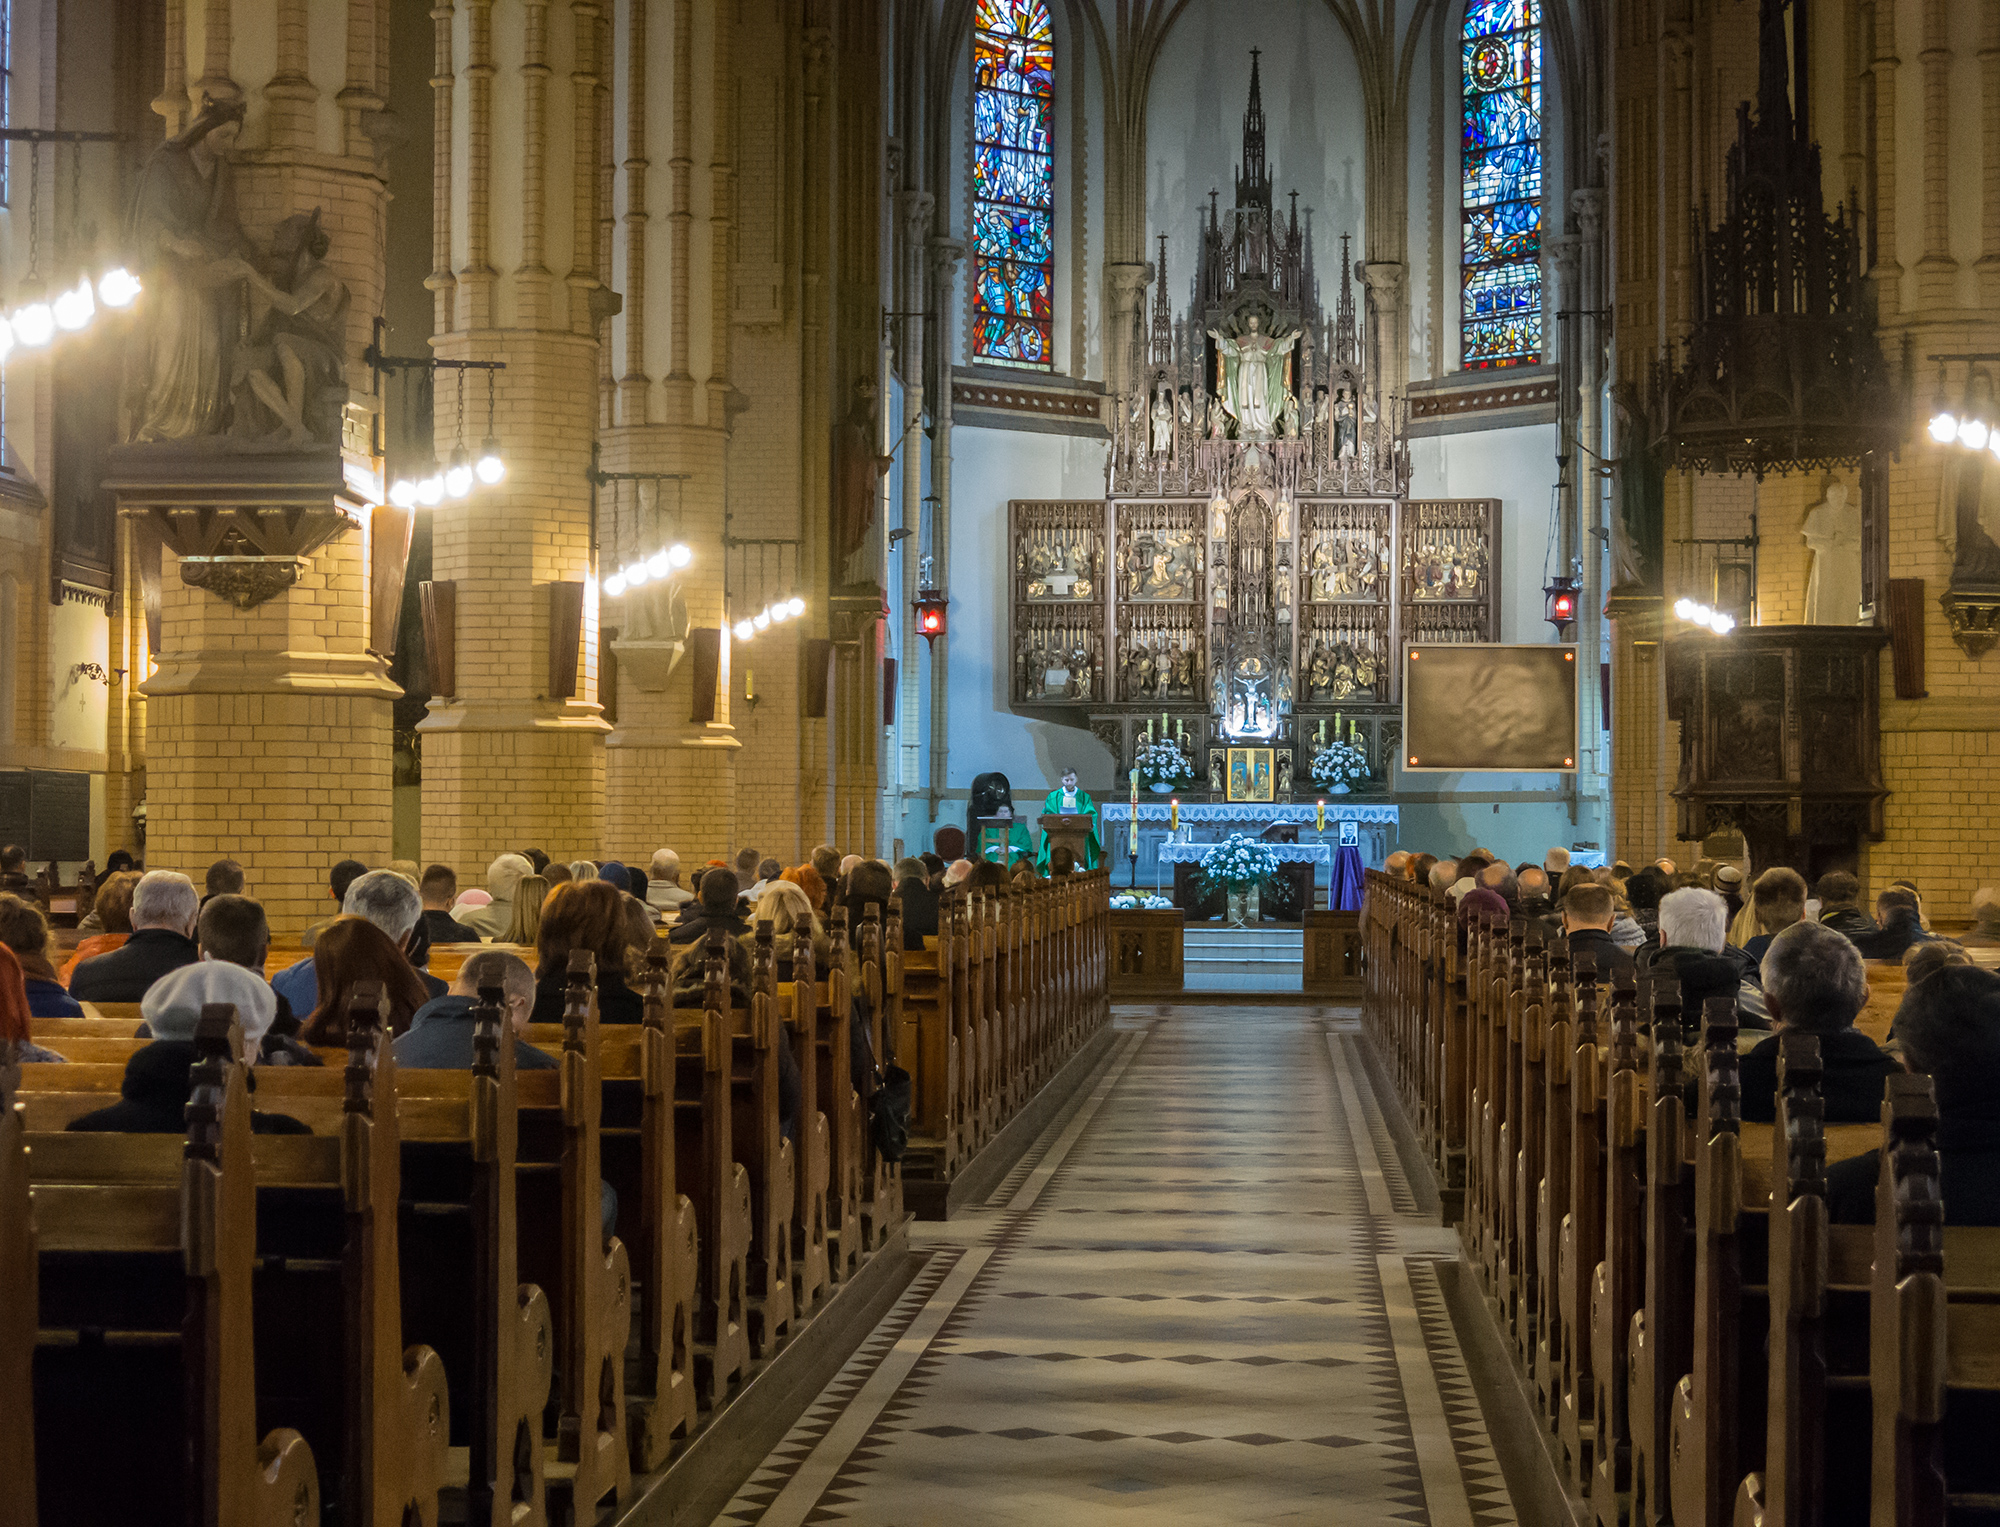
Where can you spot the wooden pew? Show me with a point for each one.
(1817, 1389)
(928, 1044)
(842, 1106)
(154, 1237)
(1581, 1228)
(661, 1404)
(1659, 1346)
(18, 1311)
(717, 1186)
(798, 999)
(1618, 1282)
(759, 1144)
(1559, 1123)
(1934, 1315)
(1532, 1021)
(593, 1284)
(880, 1208)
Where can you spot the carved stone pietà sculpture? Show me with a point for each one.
(193, 252)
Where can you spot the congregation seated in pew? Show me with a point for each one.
(24, 932)
(1948, 1026)
(1693, 950)
(350, 951)
(440, 1034)
(108, 924)
(714, 907)
(438, 890)
(1814, 981)
(15, 1043)
(164, 907)
(503, 877)
(1587, 915)
(388, 900)
(234, 929)
(587, 916)
(158, 1079)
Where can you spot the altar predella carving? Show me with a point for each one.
(235, 408)
(1256, 567)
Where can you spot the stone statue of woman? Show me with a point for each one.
(192, 249)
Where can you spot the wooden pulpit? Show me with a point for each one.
(1070, 830)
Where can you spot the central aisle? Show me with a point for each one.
(1204, 1297)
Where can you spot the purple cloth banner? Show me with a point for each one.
(1344, 890)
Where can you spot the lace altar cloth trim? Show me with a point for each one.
(1339, 808)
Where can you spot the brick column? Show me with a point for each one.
(507, 762)
(266, 731)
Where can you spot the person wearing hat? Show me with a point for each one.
(153, 1096)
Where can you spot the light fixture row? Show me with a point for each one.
(1701, 615)
(646, 569)
(40, 318)
(772, 614)
(452, 480)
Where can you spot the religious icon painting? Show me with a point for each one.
(1250, 775)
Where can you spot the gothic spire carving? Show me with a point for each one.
(1253, 180)
(1782, 371)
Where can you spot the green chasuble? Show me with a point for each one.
(1053, 806)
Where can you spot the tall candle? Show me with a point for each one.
(1322, 731)
(1135, 784)
(1354, 731)
(1174, 815)
(1319, 814)
(1336, 726)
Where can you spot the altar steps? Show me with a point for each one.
(1267, 958)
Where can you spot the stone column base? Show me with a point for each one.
(678, 794)
(495, 783)
(286, 782)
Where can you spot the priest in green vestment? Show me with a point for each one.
(1067, 800)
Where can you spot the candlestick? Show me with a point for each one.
(1319, 814)
(1336, 726)
(1322, 731)
(1149, 729)
(1135, 782)
(1133, 839)
(1174, 815)
(1163, 726)
(1354, 731)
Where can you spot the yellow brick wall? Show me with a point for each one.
(267, 735)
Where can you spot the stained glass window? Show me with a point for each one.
(1013, 183)
(1500, 320)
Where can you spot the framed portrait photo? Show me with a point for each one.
(1251, 775)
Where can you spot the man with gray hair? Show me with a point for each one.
(503, 878)
(164, 907)
(1814, 981)
(663, 881)
(1694, 927)
(440, 1033)
(381, 897)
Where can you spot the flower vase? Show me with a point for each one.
(1243, 908)
(1339, 789)
(1161, 787)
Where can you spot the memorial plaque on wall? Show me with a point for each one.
(59, 816)
(16, 795)
(1491, 707)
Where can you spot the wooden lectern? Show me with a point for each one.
(992, 835)
(1071, 831)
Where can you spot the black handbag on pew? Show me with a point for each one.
(889, 1112)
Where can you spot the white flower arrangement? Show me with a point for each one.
(1141, 901)
(1162, 763)
(1339, 763)
(1238, 862)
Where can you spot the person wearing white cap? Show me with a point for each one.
(153, 1097)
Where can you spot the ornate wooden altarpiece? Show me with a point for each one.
(1256, 565)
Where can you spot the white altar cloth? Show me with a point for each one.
(1284, 853)
(1339, 808)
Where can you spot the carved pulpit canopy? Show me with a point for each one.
(1782, 371)
(235, 406)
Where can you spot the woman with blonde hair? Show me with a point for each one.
(529, 896)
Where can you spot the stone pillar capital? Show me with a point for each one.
(1385, 280)
(1129, 280)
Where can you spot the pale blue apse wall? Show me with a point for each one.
(1312, 115)
(1515, 466)
(990, 467)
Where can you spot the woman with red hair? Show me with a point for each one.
(351, 950)
(14, 1041)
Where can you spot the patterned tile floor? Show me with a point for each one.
(1205, 1297)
